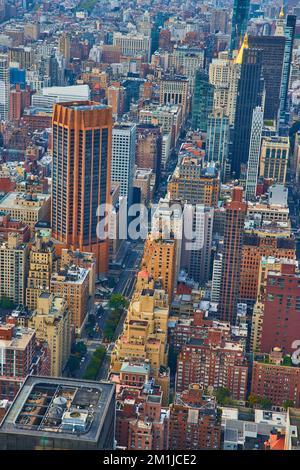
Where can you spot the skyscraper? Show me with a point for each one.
(250, 92)
(81, 175)
(239, 22)
(123, 158)
(289, 33)
(203, 100)
(218, 137)
(233, 243)
(254, 152)
(273, 54)
(4, 87)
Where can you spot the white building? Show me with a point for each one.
(254, 153)
(123, 158)
(216, 278)
(133, 44)
(48, 96)
(4, 87)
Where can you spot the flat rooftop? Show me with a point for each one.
(68, 408)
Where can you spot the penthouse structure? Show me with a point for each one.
(60, 413)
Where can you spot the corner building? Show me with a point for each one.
(82, 136)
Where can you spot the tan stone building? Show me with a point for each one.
(27, 208)
(42, 263)
(52, 323)
(73, 284)
(144, 336)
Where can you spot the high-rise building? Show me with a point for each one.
(173, 90)
(144, 337)
(81, 175)
(250, 93)
(233, 242)
(254, 153)
(52, 323)
(4, 87)
(64, 47)
(218, 137)
(194, 421)
(73, 285)
(196, 254)
(281, 324)
(262, 238)
(218, 361)
(266, 264)
(13, 269)
(53, 404)
(123, 158)
(274, 377)
(159, 260)
(194, 182)
(216, 278)
(273, 54)
(239, 22)
(274, 157)
(148, 147)
(289, 27)
(202, 101)
(42, 263)
(224, 74)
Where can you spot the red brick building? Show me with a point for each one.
(233, 243)
(274, 380)
(21, 355)
(213, 361)
(9, 225)
(194, 422)
(141, 420)
(281, 319)
(148, 147)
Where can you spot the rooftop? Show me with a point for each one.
(70, 408)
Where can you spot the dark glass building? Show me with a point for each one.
(272, 62)
(250, 91)
(203, 101)
(239, 22)
(289, 33)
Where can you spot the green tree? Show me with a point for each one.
(252, 400)
(222, 395)
(265, 403)
(288, 404)
(80, 348)
(117, 302)
(73, 363)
